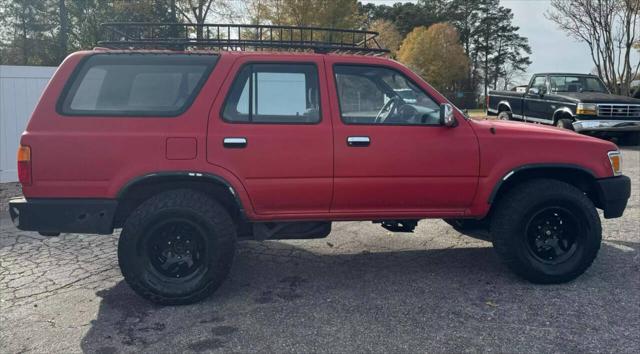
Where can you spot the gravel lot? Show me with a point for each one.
(361, 289)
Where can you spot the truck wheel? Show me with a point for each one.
(177, 247)
(630, 139)
(546, 231)
(564, 123)
(504, 115)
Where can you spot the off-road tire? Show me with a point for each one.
(513, 214)
(564, 123)
(218, 237)
(504, 115)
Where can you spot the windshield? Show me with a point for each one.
(576, 84)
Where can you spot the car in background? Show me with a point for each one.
(573, 101)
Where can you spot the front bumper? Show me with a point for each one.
(612, 195)
(608, 125)
(93, 216)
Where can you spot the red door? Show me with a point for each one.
(272, 129)
(392, 157)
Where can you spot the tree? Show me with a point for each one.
(388, 37)
(43, 32)
(436, 55)
(496, 51)
(319, 13)
(405, 16)
(27, 33)
(610, 28)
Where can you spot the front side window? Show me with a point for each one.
(377, 95)
(274, 93)
(540, 83)
(136, 84)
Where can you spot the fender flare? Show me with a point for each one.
(561, 110)
(559, 166)
(505, 103)
(182, 175)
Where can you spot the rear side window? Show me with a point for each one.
(136, 84)
(274, 93)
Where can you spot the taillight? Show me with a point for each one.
(24, 165)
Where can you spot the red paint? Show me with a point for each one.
(182, 148)
(294, 172)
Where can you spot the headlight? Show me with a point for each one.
(616, 162)
(587, 109)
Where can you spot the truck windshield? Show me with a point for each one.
(576, 84)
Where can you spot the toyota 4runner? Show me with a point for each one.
(187, 151)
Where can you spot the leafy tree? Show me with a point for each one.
(319, 13)
(496, 50)
(26, 27)
(389, 37)
(306, 13)
(43, 32)
(436, 55)
(405, 16)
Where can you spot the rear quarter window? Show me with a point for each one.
(135, 84)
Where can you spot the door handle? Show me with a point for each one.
(358, 141)
(235, 143)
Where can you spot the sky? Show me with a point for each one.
(552, 49)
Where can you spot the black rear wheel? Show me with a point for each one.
(177, 247)
(546, 231)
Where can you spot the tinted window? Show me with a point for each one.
(376, 95)
(136, 84)
(576, 84)
(274, 93)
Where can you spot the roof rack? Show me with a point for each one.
(238, 37)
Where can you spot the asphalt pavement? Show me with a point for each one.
(362, 289)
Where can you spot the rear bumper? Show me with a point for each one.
(612, 195)
(607, 125)
(92, 216)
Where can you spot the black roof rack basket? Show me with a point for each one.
(240, 37)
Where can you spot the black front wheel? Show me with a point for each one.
(565, 123)
(504, 115)
(546, 231)
(177, 247)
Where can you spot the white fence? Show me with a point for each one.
(20, 90)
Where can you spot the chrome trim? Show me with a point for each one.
(539, 120)
(358, 139)
(563, 109)
(572, 102)
(621, 110)
(235, 141)
(508, 175)
(504, 103)
(606, 125)
(551, 101)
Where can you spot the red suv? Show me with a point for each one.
(187, 151)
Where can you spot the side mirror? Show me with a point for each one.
(446, 115)
(534, 91)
